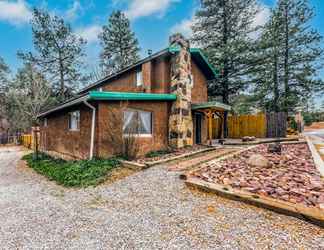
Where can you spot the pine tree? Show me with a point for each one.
(59, 52)
(301, 51)
(119, 45)
(4, 72)
(267, 89)
(296, 50)
(222, 29)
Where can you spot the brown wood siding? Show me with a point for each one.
(161, 75)
(126, 82)
(199, 90)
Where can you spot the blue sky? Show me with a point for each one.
(152, 20)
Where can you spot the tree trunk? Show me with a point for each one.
(62, 84)
(276, 84)
(286, 62)
(225, 62)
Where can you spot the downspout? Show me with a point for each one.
(92, 127)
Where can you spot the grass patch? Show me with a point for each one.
(157, 153)
(82, 173)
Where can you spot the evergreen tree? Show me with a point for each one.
(4, 79)
(4, 72)
(59, 52)
(222, 29)
(267, 90)
(119, 45)
(26, 95)
(296, 57)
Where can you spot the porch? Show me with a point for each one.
(209, 111)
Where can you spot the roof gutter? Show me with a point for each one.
(93, 124)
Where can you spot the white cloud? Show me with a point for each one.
(142, 8)
(262, 17)
(260, 20)
(89, 33)
(16, 12)
(73, 12)
(184, 27)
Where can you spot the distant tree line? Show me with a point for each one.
(274, 67)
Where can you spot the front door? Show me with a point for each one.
(198, 128)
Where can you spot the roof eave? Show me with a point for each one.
(64, 105)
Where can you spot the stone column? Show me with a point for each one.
(180, 120)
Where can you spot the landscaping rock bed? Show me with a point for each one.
(164, 155)
(290, 176)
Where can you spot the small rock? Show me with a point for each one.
(258, 160)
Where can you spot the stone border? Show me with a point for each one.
(263, 141)
(178, 157)
(226, 156)
(133, 165)
(319, 163)
(314, 215)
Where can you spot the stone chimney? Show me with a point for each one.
(180, 120)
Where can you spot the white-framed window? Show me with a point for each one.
(45, 122)
(139, 78)
(74, 120)
(137, 122)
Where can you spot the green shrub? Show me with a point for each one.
(72, 173)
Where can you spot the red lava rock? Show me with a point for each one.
(291, 176)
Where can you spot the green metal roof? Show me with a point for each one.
(215, 105)
(201, 60)
(120, 96)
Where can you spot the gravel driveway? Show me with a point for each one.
(151, 209)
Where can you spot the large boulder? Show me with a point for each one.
(258, 160)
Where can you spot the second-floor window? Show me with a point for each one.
(139, 78)
(74, 121)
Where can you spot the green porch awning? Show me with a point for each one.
(218, 106)
(125, 96)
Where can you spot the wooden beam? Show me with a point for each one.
(312, 214)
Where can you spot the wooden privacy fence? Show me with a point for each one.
(27, 140)
(260, 125)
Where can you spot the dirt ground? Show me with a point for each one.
(150, 209)
(314, 126)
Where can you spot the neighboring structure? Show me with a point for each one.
(165, 95)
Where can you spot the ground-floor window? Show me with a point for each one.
(74, 121)
(137, 122)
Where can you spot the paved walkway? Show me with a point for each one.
(151, 209)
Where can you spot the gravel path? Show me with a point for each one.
(151, 209)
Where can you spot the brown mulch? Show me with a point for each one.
(291, 176)
(173, 153)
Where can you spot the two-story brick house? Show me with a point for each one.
(165, 94)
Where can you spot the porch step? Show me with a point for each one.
(186, 164)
